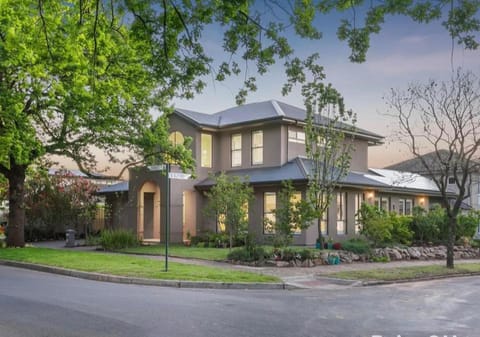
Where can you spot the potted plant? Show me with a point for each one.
(319, 243)
(188, 241)
(330, 243)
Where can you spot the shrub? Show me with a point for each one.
(337, 246)
(400, 232)
(248, 254)
(467, 225)
(113, 239)
(357, 246)
(426, 225)
(375, 224)
(306, 254)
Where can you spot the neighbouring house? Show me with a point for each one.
(432, 159)
(266, 142)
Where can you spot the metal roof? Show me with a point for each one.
(260, 111)
(115, 188)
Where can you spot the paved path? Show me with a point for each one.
(314, 277)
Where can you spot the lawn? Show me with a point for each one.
(179, 250)
(123, 265)
(407, 273)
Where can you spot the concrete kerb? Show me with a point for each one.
(419, 279)
(147, 282)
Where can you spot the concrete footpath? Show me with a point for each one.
(317, 277)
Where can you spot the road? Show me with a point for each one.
(39, 304)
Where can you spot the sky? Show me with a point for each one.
(404, 52)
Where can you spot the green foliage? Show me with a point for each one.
(226, 202)
(381, 227)
(374, 223)
(249, 253)
(380, 259)
(357, 246)
(467, 224)
(426, 226)
(401, 232)
(114, 239)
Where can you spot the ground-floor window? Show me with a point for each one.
(269, 206)
(324, 223)
(221, 226)
(296, 197)
(341, 212)
(359, 199)
(383, 203)
(405, 206)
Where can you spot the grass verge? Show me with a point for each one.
(177, 250)
(407, 273)
(128, 266)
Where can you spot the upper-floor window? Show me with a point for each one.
(257, 147)
(405, 206)
(341, 212)
(176, 138)
(296, 136)
(236, 150)
(206, 150)
(269, 206)
(451, 180)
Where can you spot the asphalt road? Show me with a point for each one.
(39, 304)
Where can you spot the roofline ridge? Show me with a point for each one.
(277, 108)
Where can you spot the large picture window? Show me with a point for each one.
(257, 147)
(269, 206)
(236, 150)
(341, 212)
(206, 150)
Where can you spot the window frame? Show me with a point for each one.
(269, 213)
(256, 147)
(359, 200)
(341, 205)
(234, 150)
(206, 162)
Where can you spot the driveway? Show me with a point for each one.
(39, 304)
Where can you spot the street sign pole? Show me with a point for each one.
(167, 215)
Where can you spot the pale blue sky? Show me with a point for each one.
(403, 52)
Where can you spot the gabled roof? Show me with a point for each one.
(259, 112)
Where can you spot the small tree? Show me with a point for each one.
(228, 201)
(442, 119)
(327, 147)
(54, 203)
(290, 216)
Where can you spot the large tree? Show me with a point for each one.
(82, 75)
(442, 119)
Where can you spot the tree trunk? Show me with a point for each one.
(452, 229)
(16, 215)
(320, 237)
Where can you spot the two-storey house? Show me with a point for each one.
(266, 142)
